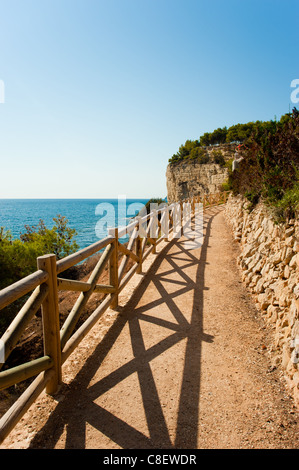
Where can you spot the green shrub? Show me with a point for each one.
(288, 206)
(225, 186)
(270, 165)
(18, 256)
(218, 157)
(58, 240)
(159, 201)
(204, 159)
(197, 153)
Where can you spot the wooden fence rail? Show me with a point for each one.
(145, 233)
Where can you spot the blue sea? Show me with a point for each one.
(89, 217)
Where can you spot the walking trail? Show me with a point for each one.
(184, 363)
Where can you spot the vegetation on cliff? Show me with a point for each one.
(154, 202)
(269, 169)
(195, 149)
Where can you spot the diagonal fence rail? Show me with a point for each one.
(145, 233)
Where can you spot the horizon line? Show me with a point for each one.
(73, 198)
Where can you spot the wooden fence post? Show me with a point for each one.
(165, 224)
(50, 316)
(139, 246)
(113, 269)
(182, 217)
(155, 230)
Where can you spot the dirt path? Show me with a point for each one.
(184, 364)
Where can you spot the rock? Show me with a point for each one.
(290, 241)
(264, 301)
(286, 271)
(288, 256)
(277, 258)
(254, 261)
(273, 313)
(293, 312)
(296, 379)
(292, 282)
(284, 299)
(258, 233)
(266, 268)
(286, 356)
(293, 261)
(260, 286)
(289, 231)
(249, 251)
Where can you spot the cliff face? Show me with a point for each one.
(186, 180)
(189, 178)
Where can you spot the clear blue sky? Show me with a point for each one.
(100, 94)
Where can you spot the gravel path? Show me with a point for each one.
(183, 364)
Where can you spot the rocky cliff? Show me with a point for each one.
(188, 178)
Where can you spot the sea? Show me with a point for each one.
(91, 218)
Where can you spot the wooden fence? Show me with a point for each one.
(145, 233)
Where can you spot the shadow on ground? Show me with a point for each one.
(73, 420)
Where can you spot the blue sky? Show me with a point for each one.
(100, 94)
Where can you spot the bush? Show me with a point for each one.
(159, 201)
(204, 159)
(218, 157)
(225, 186)
(18, 257)
(288, 206)
(197, 153)
(57, 240)
(270, 165)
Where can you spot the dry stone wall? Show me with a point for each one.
(269, 262)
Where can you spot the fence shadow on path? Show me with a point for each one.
(72, 419)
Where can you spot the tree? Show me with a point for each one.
(218, 136)
(205, 139)
(58, 240)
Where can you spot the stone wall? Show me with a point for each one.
(269, 262)
(187, 178)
